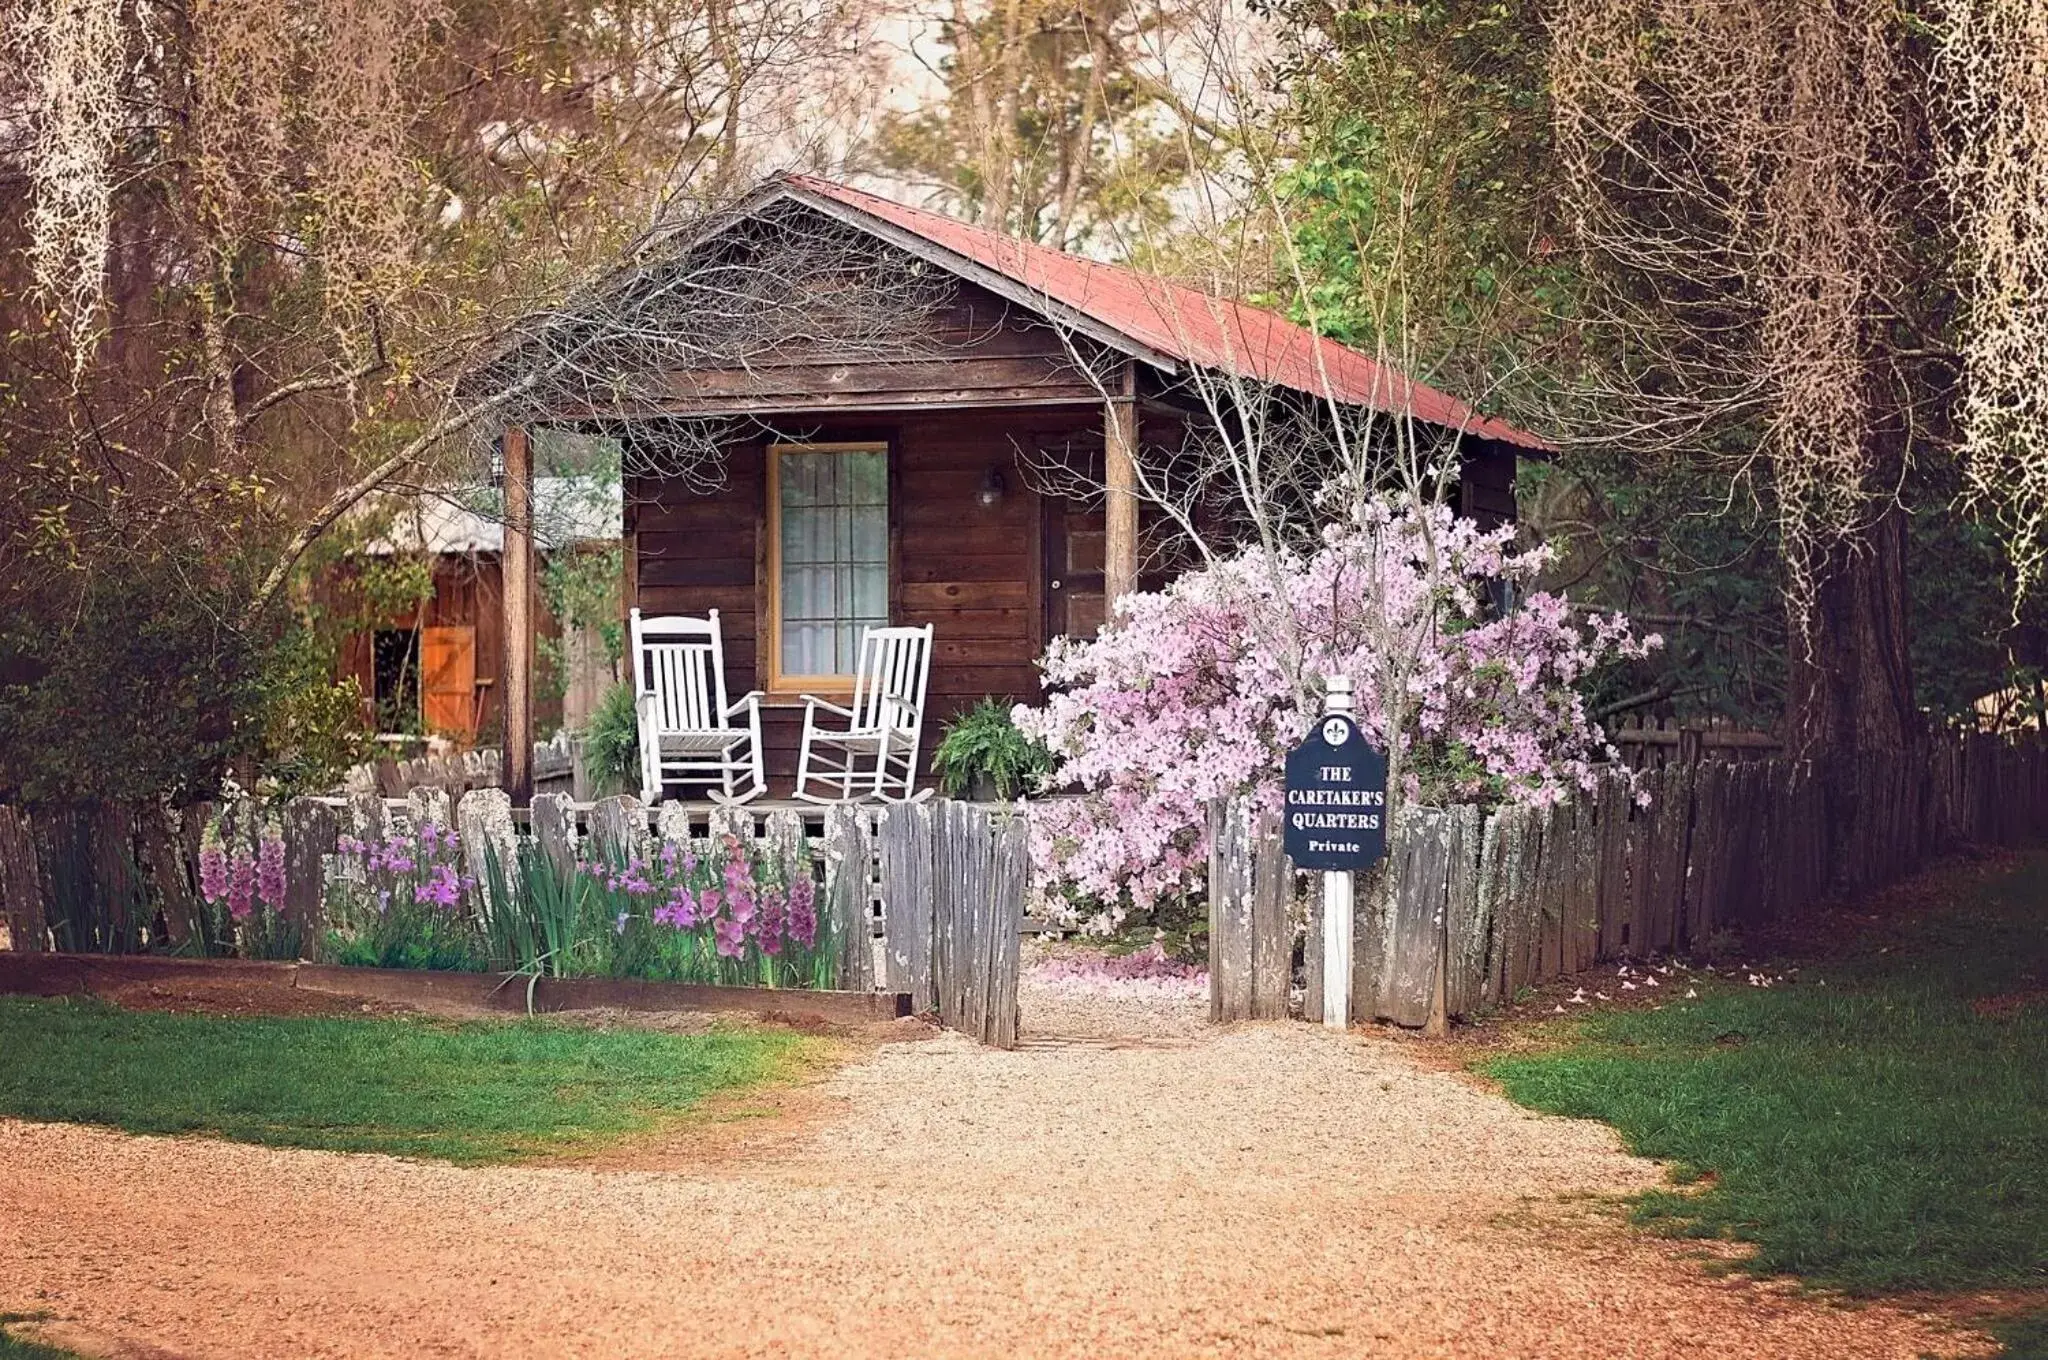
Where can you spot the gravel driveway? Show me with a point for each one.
(1126, 1185)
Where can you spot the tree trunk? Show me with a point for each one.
(1850, 687)
(1850, 693)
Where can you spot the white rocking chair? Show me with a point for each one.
(874, 755)
(687, 732)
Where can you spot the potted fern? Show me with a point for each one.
(611, 743)
(984, 757)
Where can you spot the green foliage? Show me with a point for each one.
(1866, 1127)
(983, 743)
(393, 930)
(538, 913)
(2022, 1338)
(1418, 207)
(312, 724)
(581, 587)
(144, 687)
(611, 745)
(389, 587)
(478, 1092)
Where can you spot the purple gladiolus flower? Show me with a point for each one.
(442, 888)
(803, 911)
(679, 911)
(213, 871)
(270, 877)
(241, 884)
(731, 938)
(768, 931)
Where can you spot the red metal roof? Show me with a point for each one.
(1179, 322)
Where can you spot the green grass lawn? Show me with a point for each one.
(476, 1092)
(13, 1347)
(1865, 1126)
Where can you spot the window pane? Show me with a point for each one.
(835, 556)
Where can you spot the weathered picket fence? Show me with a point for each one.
(938, 886)
(556, 767)
(1500, 901)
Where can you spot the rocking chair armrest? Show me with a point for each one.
(643, 707)
(751, 699)
(814, 701)
(904, 706)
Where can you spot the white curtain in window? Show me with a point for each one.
(835, 555)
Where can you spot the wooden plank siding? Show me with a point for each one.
(974, 572)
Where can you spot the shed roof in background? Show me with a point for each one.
(567, 511)
(1163, 322)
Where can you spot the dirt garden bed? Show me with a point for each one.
(240, 986)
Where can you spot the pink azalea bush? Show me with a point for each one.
(1197, 691)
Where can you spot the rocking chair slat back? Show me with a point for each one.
(682, 664)
(687, 733)
(895, 665)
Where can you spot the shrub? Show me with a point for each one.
(984, 743)
(1197, 691)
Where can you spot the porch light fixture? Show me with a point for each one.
(992, 487)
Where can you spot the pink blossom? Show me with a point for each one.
(270, 875)
(241, 884)
(1197, 691)
(213, 867)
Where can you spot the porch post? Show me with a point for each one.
(515, 695)
(1120, 490)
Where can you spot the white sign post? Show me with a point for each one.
(1337, 909)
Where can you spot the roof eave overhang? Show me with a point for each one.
(995, 281)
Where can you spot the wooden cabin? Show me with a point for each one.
(900, 492)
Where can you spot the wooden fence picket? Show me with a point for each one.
(311, 831)
(848, 886)
(907, 902)
(1011, 881)
(21, 894)
(1233, 849)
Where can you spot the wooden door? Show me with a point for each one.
(448, 681)
(1073, 543)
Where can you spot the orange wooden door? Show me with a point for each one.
(448, 681)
